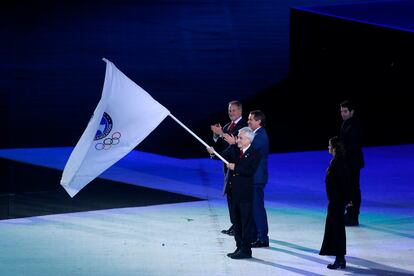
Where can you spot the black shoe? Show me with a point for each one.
(229, 231)
(337, 264)
(260, 243)
(241, 255)
(235, 252)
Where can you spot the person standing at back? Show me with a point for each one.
(351, 137)
(256, 122)
(334, 239)
(222, 138)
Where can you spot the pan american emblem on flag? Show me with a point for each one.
(105, 127)
(103, 131)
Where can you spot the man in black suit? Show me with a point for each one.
(222, 138)
(243, 163)
(351, 137)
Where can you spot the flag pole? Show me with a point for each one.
(198, 138)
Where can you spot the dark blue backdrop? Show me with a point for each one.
(192, 56)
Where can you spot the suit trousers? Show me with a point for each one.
(229, 204)
(354, 193)
(261, 228)
(243, 225)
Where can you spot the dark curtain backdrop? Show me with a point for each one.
(192, 56)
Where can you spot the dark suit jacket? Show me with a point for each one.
(336, 181)
(261, 144)
(221, 145)
(351, 137)
(241, 179)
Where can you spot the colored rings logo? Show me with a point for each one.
(107, 143)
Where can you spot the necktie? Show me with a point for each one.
(231, 128)
(241, 153)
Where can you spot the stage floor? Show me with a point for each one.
(185, 238)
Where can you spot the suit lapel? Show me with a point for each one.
(247, 153)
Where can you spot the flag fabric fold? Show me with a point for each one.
(124, 116)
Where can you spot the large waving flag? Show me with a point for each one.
(125, 115)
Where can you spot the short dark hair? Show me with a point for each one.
(348, 104)
(259, 115)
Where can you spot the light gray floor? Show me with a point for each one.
(185, 238)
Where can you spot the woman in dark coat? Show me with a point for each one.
(334, 240)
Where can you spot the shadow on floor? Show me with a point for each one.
(28, 190)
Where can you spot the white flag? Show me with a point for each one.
(125, 115)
